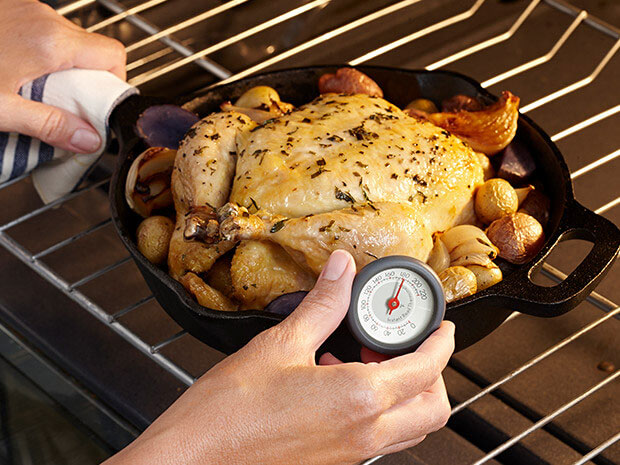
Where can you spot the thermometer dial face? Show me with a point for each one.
(396, 303)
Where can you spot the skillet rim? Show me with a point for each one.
(487, 294)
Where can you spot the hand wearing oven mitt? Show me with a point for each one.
(58, 86)
(271, 402)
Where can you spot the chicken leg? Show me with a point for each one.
(201, 180)
(367, 231)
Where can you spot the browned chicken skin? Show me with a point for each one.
(344, 171)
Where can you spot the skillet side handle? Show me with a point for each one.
(578, 223)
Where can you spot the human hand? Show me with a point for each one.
(270, 403)
(34, 41)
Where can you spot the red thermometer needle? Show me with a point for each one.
(393, 303)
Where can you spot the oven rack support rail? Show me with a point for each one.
(200, 58)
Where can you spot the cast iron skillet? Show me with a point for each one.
(475, 316)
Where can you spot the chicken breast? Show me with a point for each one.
(350, 149)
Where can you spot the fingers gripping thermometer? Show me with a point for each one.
(396, 303)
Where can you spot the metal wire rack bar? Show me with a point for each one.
(489, 42)
(541, 59)
(185, 24)
(533, 361)
(575, 85)
(124, 14)
(73, 238)
(418, 34)
(585, 123)
(595, 164)
(53, 204)
(132, 307)
(44, 271)
(150, 75)
(98, 273)
(71, 7)
(592, 21)
(153, 351)
(543, 421)
(210, 66)
(160, 345)
(598, 449)
(607, 206)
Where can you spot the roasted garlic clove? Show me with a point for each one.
(469, 245)
(488, 130)
(486, 276)
(147, 187)
(463, 233)
(522, 193)
(439, 258)
(458, 282)
(260, 103)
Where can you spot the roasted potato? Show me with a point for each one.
(461, 102)
(349, 81)
(536, 204)
(153, 238)
(422, 104)
(519, 237)
(516, 165)
(494, 199)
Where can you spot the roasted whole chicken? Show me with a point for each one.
(271, 190)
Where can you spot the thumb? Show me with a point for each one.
(50, 124)
(320, 313)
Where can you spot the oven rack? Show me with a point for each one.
(120, 13)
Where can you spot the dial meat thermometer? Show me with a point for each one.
(396, 303)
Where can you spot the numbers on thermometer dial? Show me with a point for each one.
(395, 305)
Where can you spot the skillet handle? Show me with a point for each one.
(577, 223)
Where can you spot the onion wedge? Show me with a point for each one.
(488, 130)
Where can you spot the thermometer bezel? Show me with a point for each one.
(383, 264)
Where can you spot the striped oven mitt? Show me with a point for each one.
(91, 95)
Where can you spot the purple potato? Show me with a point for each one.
(461, 103)
(537, 204)
(516, 164)
(286, 303)
(165, 125)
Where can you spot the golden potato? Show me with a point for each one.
(518, 237)
(422, 104)
(153, 238)
(262, 271)
(494, 199)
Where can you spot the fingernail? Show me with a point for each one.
(85, 140)
(336, 265)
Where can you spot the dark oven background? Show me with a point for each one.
(535, 391)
